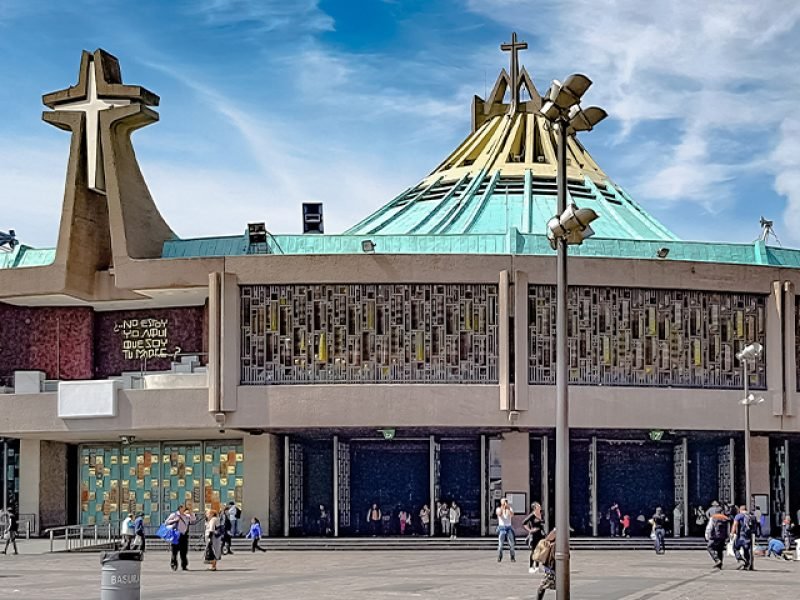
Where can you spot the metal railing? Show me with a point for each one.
(79, 537)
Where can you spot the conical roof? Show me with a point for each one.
(503, 176)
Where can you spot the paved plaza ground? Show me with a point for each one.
(382, 575)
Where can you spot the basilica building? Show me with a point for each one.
(408, 360)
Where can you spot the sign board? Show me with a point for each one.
(518, 502)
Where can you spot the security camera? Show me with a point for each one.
(513, 416)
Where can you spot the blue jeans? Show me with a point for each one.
(503, 534)
(659, 541)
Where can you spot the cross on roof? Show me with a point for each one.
(514, 47)
(99, 88)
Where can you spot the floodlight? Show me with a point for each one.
(368, 246)
(572, 224)
(751, 352)
(662, 252)
(750, 400)
(585, 120)
(8, 241)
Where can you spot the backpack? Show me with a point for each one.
(746, 526)
(544, 552)
(719, 529)
(238, 513)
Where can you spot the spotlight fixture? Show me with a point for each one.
(751, 352)
(662, 252)
(257, 233)
(8, 241)
(572, 225)
(127, 440)
(750, 400)
(368, 246)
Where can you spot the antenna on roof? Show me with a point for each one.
(768, 230)
(8, 241)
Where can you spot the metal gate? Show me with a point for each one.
(679, 470)
(780, 483)
(295, 485)
(725, 472)
(343, 489)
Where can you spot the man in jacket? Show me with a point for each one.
(180, 521)
(12, 529)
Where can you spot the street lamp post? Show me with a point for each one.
(751, 352)
(569, 226)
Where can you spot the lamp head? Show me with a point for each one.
(750, 352)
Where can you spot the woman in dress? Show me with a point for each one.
(213, 539)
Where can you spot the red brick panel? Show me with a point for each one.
(57, 341)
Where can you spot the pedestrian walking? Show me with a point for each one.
(787, 535)
(213, 535)
(138, 532)
(404, 518)
(11, 530)
(534, 525)
(658, 522)
(626, 526)
(234, 514)
(255, 534)
(444, 518)
(425, 519)
(717, 534)
(743, 529)
(614, 517)
(180, 521)
(545, 554)
(505, 531)
(323, 521)
(126, 532)
(374, 518)
(455, 518)
(226, 527)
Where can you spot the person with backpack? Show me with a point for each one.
(717, 533)
(225, 526)
(545, 555)
(743, 529)
(234, 514)
(138, 532)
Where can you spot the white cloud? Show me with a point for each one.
(721, 67)
(265, 15)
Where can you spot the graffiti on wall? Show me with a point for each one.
(145, 338)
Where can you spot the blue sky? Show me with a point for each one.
(268, 104)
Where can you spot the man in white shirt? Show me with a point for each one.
(505, 531)
(126, 532)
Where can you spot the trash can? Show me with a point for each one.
(121, 575)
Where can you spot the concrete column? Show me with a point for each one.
(545, 501)
(52, 484)
(759, 467)
(686, 516)
(516, 467)
(521, 399)
(790, 394)
(775, 345)
(214, 307)
(593, 483)
(259, 473)
(484, 491)
(29, 470)
(230, 335)
(504, 344)
(335, 509)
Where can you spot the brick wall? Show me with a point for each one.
(57, 341)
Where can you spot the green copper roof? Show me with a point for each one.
(25, 256)
(494, 204)
(514, 242)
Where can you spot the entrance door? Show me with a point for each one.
(461, 481)
(639, 476)
(394, 474)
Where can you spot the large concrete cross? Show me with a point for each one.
(514, 47)
(99, 88)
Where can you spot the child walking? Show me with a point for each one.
(255, 534)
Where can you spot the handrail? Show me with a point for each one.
(75, 537)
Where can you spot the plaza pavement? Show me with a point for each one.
(382, 575)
